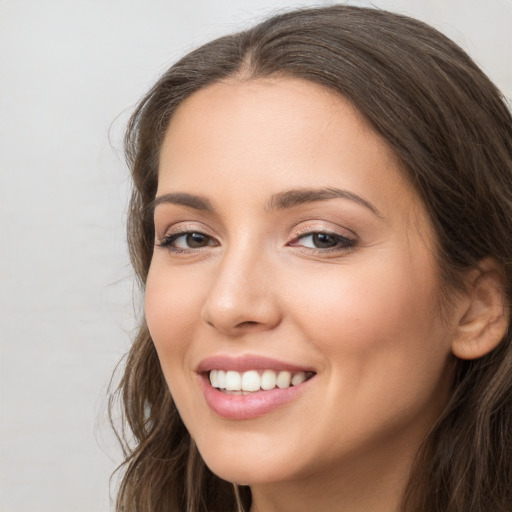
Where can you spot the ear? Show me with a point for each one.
(484, 320)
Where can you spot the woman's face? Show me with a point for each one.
(291, 254)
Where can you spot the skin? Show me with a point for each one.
(365, 316)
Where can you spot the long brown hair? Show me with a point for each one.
(452, 131)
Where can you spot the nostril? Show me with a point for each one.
(247, 323)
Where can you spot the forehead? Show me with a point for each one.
(273, 112)
(278, 133)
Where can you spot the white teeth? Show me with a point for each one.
(284, 379)
(268, 379)
(233, 381)
(252, 380)
(221, 379)
(298, 378)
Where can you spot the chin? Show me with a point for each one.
(252, 465)
(242, 473)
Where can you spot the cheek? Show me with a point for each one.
(172, 312)
(172, 309)
(378, 299)
(378, 327)
(386, 355)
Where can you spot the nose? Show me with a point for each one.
(242, 297)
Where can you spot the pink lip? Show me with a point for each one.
(253, 405)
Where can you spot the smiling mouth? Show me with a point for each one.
(254, 381)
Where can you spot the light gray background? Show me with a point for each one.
(70, 70)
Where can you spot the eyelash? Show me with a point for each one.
(343, 243)
(168, 240)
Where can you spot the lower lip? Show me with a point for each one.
(253, 405)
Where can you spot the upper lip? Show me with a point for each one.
(245, 362)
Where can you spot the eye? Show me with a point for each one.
(185, 241)
(325, 241)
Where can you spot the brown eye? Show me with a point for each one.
(319, 240)
(324, 240)
(187, 241)
(196, 240)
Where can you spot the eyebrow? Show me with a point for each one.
(281, 200)
(295, 197)
(183, 199)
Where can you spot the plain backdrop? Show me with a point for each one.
(70, 73)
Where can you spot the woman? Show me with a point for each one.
(320, 222)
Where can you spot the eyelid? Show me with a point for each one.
(181, 229)
(346, 240)
(321, 227)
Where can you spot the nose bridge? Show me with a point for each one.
(241, 296)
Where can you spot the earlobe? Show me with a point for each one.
(484, 321)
